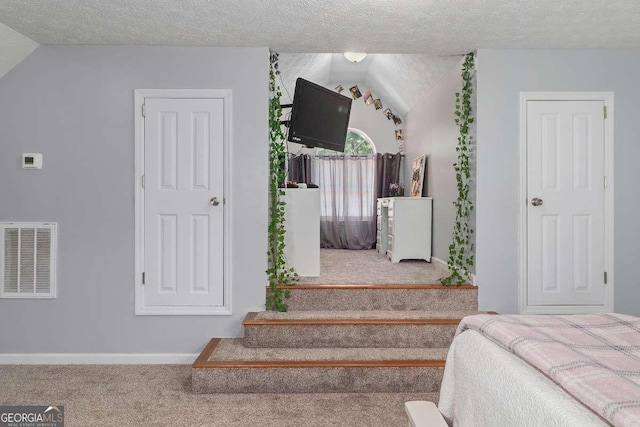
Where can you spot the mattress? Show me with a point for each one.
(485, 385)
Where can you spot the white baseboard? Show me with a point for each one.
(438, 261)
(97, 359)
(443, 264)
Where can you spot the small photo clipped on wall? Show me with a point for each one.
(355, 92)
(368, 99)
(399, 135)
(339, 88)
(397, 120)
(388, 113)
(377, 103)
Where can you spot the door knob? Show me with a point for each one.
(536, 202)
(214, 201)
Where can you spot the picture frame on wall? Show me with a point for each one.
(368, 98)
(355, 92)
(417, 176)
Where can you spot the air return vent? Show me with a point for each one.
(27, 260)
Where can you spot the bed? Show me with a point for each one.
(491, 380)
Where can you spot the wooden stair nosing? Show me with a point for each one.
(250, 320)
(203, 362)
(203, 359)
(375, 286)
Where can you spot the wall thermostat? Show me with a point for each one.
(31, 161)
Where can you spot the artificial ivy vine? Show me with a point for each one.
(277, 272)
(461, 248)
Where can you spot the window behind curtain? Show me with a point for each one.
(347, 194)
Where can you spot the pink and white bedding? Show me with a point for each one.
(485, 385)
(594, 357)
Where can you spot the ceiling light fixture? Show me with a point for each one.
(355, 56)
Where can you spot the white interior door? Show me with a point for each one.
(566, 203)
(183, 202)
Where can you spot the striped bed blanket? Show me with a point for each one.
(593, 357)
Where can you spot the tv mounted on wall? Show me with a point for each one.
(319, 116)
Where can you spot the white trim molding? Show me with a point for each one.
(97, 359)
(140, 95)
(438, 262)
(608, 99)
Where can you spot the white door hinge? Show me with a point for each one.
(605, 111)
(142, 181)
(605, 277)
(606, 184)
(143, 278)
(144, 110)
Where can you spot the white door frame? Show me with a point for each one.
(607, 98)
(140, 95)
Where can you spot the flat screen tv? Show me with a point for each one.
(319, 116)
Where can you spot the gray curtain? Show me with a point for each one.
(387, 172)
(300, 169)
(347, 210)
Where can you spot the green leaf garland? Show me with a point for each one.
(461, 257)
(277, 271)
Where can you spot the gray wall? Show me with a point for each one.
(501, 75)
(430, 129)
(75, 105)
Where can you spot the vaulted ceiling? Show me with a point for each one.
(399, 80)
(14, 47)
(437, 32)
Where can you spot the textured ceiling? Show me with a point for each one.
(434, 32)
(14, 47)
(437, 27)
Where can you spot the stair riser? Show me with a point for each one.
(383, 299)
(343, 336)
(316, 380)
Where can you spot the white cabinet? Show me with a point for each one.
(382, 236)
(404, 227)
(302, 224)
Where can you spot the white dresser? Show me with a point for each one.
(302, 224)
(404, 227)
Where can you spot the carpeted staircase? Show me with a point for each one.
(341, 338)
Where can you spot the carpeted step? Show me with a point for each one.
(227, 366)
(382, 297)
(343, 329)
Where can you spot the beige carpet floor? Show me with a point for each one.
(343, 266)
(159, 395)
